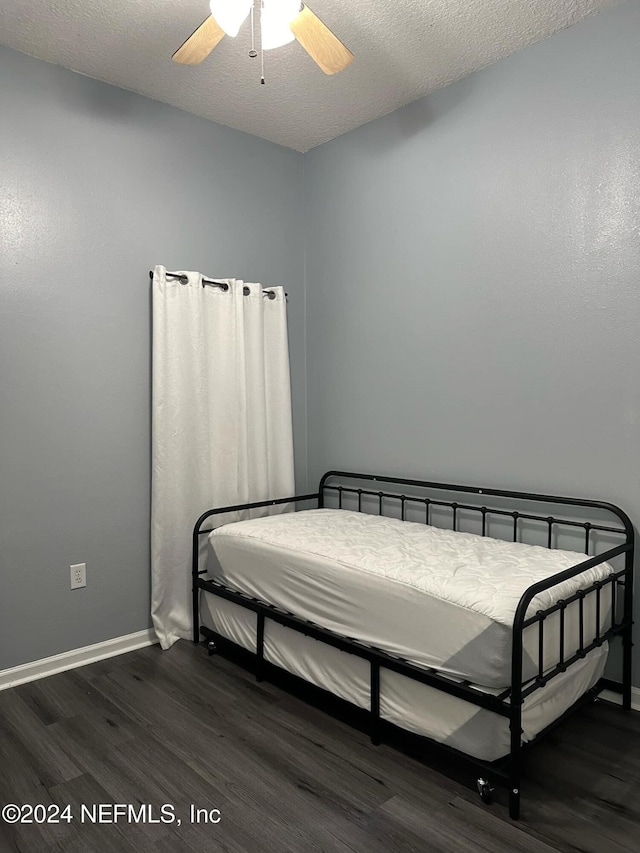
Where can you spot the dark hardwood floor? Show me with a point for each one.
(179, 728)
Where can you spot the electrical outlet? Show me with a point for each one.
(78, 575)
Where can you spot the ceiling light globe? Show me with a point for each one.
(230, 14)
(274, 22)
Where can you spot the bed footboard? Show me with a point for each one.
(591, 636)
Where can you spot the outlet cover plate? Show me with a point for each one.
(78, 575)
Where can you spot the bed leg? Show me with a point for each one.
(627, 635)
(376, 739)
(196, 618)
(514, 803)
(627, 646)
(515, 758)
(195, 596)
(260, 647)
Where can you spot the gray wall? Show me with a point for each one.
(98, 185)
(473, 262)
(472, 312)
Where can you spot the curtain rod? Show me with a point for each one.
(221, 284)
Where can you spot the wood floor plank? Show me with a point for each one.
(28, 734)
(86, 833)
(473, 827)
(67, 695)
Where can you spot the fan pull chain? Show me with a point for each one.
(261, 47)
(253, 52)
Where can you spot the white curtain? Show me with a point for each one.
(221, 420)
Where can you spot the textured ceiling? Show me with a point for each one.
(404, 49)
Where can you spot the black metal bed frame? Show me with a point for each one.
(506, 772)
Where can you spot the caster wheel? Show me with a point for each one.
(211, 648)
(485, 790)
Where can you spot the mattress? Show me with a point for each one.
(434, 597)
(404, 702)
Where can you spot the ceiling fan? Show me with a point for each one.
(280, 22)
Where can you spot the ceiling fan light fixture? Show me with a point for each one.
(230, 14)
(275, 18)
(281, 22)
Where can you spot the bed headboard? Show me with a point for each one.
(573, 524)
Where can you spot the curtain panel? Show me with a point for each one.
(221, 420)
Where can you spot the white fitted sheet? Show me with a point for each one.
(406, 703)
(437, 598)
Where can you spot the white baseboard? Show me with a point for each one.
(76, 657)
(611, 696)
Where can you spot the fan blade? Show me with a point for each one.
(200, 43)
(320, 43)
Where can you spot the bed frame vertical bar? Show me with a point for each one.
(540, 645)
(515, 710)
(580, 594)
